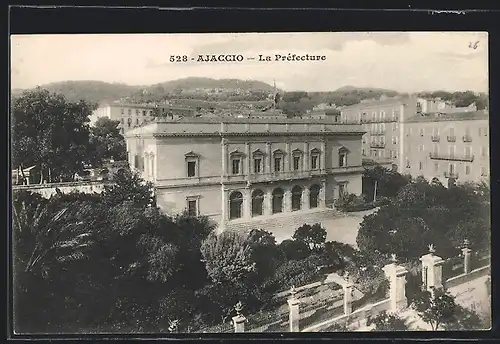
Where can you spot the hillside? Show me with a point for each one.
(99, 91)
(349, 88)
(89, 90)
(208, 83)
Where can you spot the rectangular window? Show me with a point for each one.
(192, 208)
(451, 151)
(314, 162)
(422, 132)
(236, 166)
(467, 169)
(144, 112)
(407, 163)
(420, 165)
(342, 190)
(123, 111)
(137, 121)
(468, 152)
(421, 148)
(257, 162)
(129, 112)
(296, 163)
(363, 152)
(342, 159)
(436, 167)
(483, 151)
(191, 166)
(277, 164)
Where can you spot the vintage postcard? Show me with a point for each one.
(250, 182)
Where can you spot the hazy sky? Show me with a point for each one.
(405, 61)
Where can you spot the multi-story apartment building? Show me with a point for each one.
(238, 169)
(132, 115)
(381, 120)
(443, 146)
(394, 127)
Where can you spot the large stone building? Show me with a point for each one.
(443, 146)
(239, 169)
(395, 135)
(133, 115)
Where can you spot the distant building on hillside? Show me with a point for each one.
(133, 115)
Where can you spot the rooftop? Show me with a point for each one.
(454, 116)
(377, 102)
(199, 126)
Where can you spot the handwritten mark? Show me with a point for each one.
(473, 45)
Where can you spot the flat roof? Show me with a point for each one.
(449, 116)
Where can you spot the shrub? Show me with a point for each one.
(294, 250)
(313, 236)
(387, 322)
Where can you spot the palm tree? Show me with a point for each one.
(46, 234)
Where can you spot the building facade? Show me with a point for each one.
(133, 115)
(382, 121)
(397, 131)
(443, 146)
(240, 169)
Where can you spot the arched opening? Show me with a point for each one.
(278, 200)
(257, 202)
(296, 198)
(235, 205)
(313, 196)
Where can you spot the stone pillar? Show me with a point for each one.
(294, 317)
(269, 156)
(288, 157)
(152, 160)
(224, 157)
(287, 200)
(224, 213)
(239, 323)
(348, 288)
(396, 275)
(247, 203)
(322, 194)
(323, 155)
(247, 170)
(305, 199)
(466, 251)
(268, 203)
(432, 270)
(146, 165)
(306, 156)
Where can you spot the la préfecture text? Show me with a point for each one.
(288, 57)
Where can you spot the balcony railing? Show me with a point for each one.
(290, 175)
(467, 138)
(452, 138)
(453, 175)
(377, 145)
(379, 120)
(377, 132)
(451, 157)
(435, 138)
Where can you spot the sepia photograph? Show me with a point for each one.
(250, 182)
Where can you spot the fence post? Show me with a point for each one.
(347, 286)
(239, 323)
(466, 251)
(396, 275)
(239, 319)
(294, 316)
(432, 270)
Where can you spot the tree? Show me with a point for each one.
(227, 256)
(294, 249)
(435, 308)
(50, 132)
(466, 319)
(106, 142)
(128, 186)
(385, 322)
(313, 236)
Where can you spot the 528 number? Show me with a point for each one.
(178, 58)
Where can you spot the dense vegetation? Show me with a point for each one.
(54, 135)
